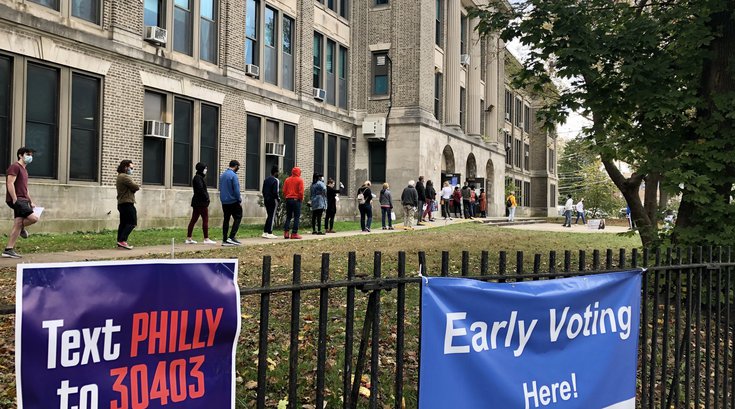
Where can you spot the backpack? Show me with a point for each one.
(360, 197)
(508, 203)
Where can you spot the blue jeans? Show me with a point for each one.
(385, 213)
(293, 210)
(580, 214)
(366, 211)
(567, 218)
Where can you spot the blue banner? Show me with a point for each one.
(127, 335)
(562, 344)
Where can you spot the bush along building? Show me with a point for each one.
(384, 90)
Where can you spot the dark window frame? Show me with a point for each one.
(94, 169)
(380, 71)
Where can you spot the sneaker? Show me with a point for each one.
(314, 232)
(208, 241)
(190, 241)
(295, 236)
(367, 230)
(285, 234)
(124, 245)
(10, 253)
(234, 241)
(264, 235)
(320, 233)
(391, 228)
(24, 233)
(226, 243)
(271, 236)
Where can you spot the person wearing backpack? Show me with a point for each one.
(511, 204)
(364, 199)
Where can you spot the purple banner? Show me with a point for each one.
(127, 335)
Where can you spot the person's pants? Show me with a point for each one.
(466, 206)
(293, 211)
(366, 216)
(385, 214)
(329, 219)
(421, 210)
(457, 209)
(233, 210)
(511, 213)
(445, 209)
(429, 208)
(270, 209)
(316, 219)
(196, 212)
(567, 217)
(580, 214)
(408, 215)
(128, 220)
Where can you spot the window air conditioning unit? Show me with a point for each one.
(320, 94)
(464, 59)
(520, 125)
(155, 35)
(252, 70)
(156, 129)
(275, 149)
(507, 116)
(374, 129)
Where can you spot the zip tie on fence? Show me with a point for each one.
(426, 284)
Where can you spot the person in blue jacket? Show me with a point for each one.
(318, 195)
(229, 195)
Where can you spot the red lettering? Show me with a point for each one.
(140, 331)
(196, 343)
(198, 390)
(177, 377)
(159, 390)
(157, 333)
(213, 323)
(183, 346)
(172, 335)
(118, 387)
(139, 386)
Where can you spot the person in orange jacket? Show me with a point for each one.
(293, 192)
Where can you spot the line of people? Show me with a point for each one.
(463, 202)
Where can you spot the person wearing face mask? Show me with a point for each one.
(18, 198)
(199, 204)
(229, 195)
(126, 189)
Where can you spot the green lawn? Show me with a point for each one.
(471, 237)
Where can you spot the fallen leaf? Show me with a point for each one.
(250, 385)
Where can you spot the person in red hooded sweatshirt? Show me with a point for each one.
(293, 191)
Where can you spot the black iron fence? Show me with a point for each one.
(685, 349)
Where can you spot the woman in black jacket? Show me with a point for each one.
(331, 206)
(200, 204)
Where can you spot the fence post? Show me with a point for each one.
(501, 266)
(445, 264)
(293, 353)
(567, 261)
(375, 342)
(465, 263)
(263, 334)
(621, 260)
(519, 264)
(596, 259)
(484, 263)
(608, 259)
(321, 358)
(349, 328)
(400, 319)
(552, 263)
(536, 266)
(582, 260)
(634, 258)
(422, 263)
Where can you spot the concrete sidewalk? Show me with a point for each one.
(166, 251)
(576, 228)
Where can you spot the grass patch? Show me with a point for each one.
(471, 237)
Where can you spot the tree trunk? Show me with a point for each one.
(651, 196)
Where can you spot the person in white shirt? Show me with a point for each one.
(580, 212)
(446, 198)
(568, 211)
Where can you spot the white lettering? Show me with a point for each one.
(452, 332)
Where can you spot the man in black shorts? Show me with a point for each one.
(18, 198)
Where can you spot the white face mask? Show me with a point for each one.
(204, 172)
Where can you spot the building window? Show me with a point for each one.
(154, 149)
(463, 34)
(437, 95)
(270, 43)
(381, 2)
(259, 132)
(517, 153)
(154, 13)
(526, 156)
(330, 67)
(482, 117)
(552, 161)
(377, 162)
(344, 9)
(508, 149)
(519, 113)
(86, 10)
(552, 195)
(527, 194)
(208, 137)
(287, 72)
(518, 186)
(462, 107)
(332, 156)
(42, 119)
(342, 74)
(252, 10)
(344, 163)
(508, 105)
(526, 118)
(183, 26)
(318, 39)
(319, 152)
(380, 73)
(208, 31)
(85, 126)
(438, 23)
(252, 153)
(54, 4)
(6, 94)
(183, 121)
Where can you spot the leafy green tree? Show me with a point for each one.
(599, 192)
(574, 157)
(656, 79)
